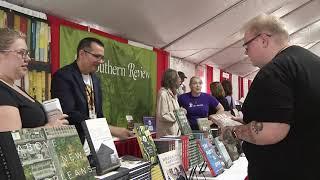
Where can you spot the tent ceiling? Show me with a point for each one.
(202, 32)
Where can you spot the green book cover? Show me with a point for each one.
(183, 122)
(52, 153)
(146, 144)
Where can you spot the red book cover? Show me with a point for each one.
(23, 24)
(185, 159)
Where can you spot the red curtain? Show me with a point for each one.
(162, 64)
(240, 86)
(209, 78)
(55, 22)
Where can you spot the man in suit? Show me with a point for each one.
(78, 88)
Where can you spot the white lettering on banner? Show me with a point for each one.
(134, 71)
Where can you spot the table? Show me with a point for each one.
(238, 171)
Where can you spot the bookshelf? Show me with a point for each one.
(38, 79)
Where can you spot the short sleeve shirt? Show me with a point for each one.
(197, 107)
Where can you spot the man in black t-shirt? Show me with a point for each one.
(280, 130)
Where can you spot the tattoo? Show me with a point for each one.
(256, 126)
(228, 136)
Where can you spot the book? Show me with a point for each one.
(150, 123)
(101, 145)
(156, 172)
(210, 157)
(223, 120)
(52, 108)
(182, 145)
(183, 123)
(222, 151)
(52, 153)
(146, 144)
(171, 166)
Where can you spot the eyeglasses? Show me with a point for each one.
(245, 45)
(24, 53)
(97, 56)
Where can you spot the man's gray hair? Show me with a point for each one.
(268, 24)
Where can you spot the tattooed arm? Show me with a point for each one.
(261, 133)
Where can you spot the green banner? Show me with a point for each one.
(128, 76)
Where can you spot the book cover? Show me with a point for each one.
(3, 19)
(223, 120)
(156, 172)
(210, 157)
(146, 144)
(183, 122)
(182, 145)
(101, 145)
(52, 108)
(52, 153)
(150, 122)
(223, 152)
(171, 165)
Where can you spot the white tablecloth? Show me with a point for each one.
(238, 171)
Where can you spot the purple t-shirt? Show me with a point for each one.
(197, 107)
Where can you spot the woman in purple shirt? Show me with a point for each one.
(198, 104)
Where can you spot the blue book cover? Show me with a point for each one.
(211, 158)
(150, 123)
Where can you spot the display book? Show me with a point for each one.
(52, 153)
(211, 158)
(171, 165)
(148, 150)
(181, 144)
(102, 147)
(193, 151)
(150, 123)
(232, 145)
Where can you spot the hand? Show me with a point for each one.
(56, 121)
(120, 132)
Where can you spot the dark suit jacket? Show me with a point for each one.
(67, 85)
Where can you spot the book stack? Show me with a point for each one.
(138, 168)
(120, 173)
(52, 153)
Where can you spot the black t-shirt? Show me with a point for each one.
(286, 90)
(31, 113)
